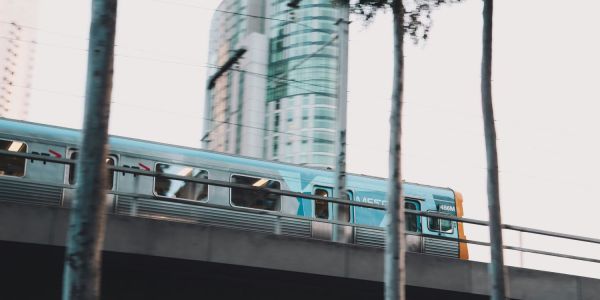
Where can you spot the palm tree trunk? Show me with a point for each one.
(395, 244)
(81, 278)
(496, 268)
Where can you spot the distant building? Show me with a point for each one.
(16, 56)
(280, 101)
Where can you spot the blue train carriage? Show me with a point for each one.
(422, 231)
(51, 184)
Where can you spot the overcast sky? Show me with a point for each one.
(545, 78)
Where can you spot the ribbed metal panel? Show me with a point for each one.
(370, 237)
(441, 247)
(29, 193)
(211, 216)
(295, 227)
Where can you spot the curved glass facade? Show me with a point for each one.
(302, 83)
(280, 103)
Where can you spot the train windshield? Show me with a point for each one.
(441, 225)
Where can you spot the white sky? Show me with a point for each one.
(545, 76)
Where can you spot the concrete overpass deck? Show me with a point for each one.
(328, 265)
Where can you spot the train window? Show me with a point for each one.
(255, 199)
(412, 221)
(180, 189)
(321, 206)
(10, 165)
(110, 161)
(441, 225)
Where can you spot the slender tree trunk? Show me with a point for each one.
(341, 210)
(81, 278)
(496, 267)
(395, 242)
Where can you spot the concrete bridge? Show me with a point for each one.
(152, 259)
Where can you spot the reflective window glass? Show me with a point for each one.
(323, 159)
(412, 221)
(10, 165)
(257, 199)
(174, 188)
(321, 206)
(441, 225)
(110, 161)
(275, 145)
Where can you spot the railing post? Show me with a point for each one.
(277, 228)
(134, 204)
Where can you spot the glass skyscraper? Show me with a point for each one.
(279, 103)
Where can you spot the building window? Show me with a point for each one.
(304, 146)
(324, 113)
(179, 189)
(10, 165)
(323, 137)
(318, 147)
(275, 146)
(257, 199)
(305, 100)
(323, 160)
(276, 123)
(305, 117)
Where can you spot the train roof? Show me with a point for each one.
(72, 136)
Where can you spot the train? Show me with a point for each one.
(38, 182)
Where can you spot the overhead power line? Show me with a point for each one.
(182, 63)
(235, 13)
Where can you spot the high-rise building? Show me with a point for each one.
(279, 102)
(16, 56)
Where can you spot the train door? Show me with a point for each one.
(322, 210)
(414, 241)
(137, 185)
(328, 211)
(69, 193)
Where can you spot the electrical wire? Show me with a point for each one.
(268, 77)
(234, 13)
(114, 101)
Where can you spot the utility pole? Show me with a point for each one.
(342, 91)
(81, 279)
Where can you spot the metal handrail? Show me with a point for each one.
(221, 183)
(205, 204)
(505, 226)
(528, 250)
(200, 180)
